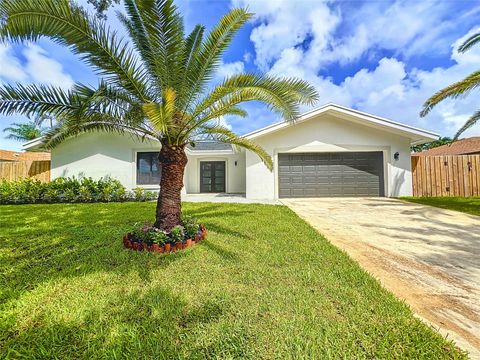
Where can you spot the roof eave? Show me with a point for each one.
(417, 136)
(34, 144)
(210, 152)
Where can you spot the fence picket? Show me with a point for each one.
(16, 170)
(452, 175)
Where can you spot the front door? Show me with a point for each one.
(212, 176)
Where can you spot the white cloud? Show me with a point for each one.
(37, 68)
(330, 32)
(247, 57)
(390, 90)
(226, 70)
(223, 122)
(43, 69)
(285, 24)
(302, 38)
(11, 68)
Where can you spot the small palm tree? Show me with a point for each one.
(155, 84)
(23, 131)
(458, 89)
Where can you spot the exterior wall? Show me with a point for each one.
(329, 134)
(235, 174)
(98, 155)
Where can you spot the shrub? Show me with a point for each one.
(139, 194)
(27, 191)
(151, 235)
(159, 237)
(177, 234)
(143, 234)
(190, 225)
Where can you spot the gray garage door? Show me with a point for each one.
(331, 174)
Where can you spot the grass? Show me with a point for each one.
(470, 205)
(263, 285)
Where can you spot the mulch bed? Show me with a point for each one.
(130, 243)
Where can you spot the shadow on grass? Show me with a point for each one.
(47, 242)
(147, 324)
(40, 243)
(221, 251)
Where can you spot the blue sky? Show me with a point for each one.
(384, 57)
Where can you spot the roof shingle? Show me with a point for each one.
(466, 146)
(7, 155)
(210, 146)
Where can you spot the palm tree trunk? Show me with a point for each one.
(169, 207)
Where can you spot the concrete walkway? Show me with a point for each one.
(427, 256)
(225, 198)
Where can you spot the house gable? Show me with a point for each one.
(416, 136)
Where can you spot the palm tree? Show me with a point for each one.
(157, 83)
(23, 131)
(458, 89)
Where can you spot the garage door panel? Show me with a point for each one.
(331, 174)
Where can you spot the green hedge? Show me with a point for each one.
(69, 190)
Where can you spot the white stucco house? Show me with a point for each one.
(330, 151)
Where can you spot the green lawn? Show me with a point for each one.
(263, 285)
(469, 205)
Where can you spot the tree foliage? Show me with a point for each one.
(432, 144)
(23, 131)
(459, 89)
(157, 82)
(101, 6)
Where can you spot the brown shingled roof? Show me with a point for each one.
(460, 147)
(7, 155)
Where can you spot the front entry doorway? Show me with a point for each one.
(212, 176)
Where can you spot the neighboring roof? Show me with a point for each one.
(460, 147)
(7, 155)
(417, 136)
(210, 146)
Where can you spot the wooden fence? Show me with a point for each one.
(16, 170)
(448, 175)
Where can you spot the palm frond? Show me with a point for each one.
(156, 29)
(36, 99)
(190, 126)
(114, 102)
(209, 56)
(453, 91)
(222, 134)
(100, 122)
(161, 115)
(133, 23)
(171, 31)
(470, 122)
(192, 47)
(471, 41)
(70, 25)
(282, 95)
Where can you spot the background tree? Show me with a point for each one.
(458, 89)
(101, 6)
(156, 84)
(23, 131)
(432, 144)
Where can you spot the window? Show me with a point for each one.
(149, 171)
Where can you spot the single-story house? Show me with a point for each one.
(467, 146)
(330, 151)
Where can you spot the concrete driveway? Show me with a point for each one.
(427, 256)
